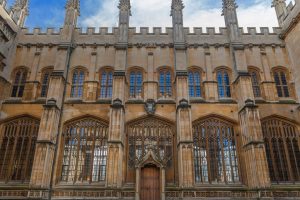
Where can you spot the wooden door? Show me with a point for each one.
(150, 183)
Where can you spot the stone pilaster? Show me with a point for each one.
(115, 176)
(253, 153)
(184, 134)
(40, 182)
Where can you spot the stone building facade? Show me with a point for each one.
(144, 115)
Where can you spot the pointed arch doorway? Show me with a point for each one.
(150, 183)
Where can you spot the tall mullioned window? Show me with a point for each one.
(165, 83)
(17, 147)
(106, 84)
(45, 82)
(283, 150)
(215, 153)
(136, 84)
(281, 82)
(255, 78)
(77, 83)
(223, 84)
(85, 151)
(195, 84)
(19, 83)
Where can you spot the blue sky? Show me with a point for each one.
(198, 13)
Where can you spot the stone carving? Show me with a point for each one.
(150, 106)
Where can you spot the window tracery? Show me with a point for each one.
(255, 79)
(195, 81)
(150, 134)
(17, 148)
(106, 84)
(215, 152)
(281, 81)
(282, 148)
(85, 151)
(19, 83)
(45, 82)
(136, 84)
(77, 83)
(165, 83)
(223, 84)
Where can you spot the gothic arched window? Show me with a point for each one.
(106, 84)
(136, 84)
(283, 150)
(215, 152)
(255, 79)
(17, 147)
(281, 82)
(165, 83)
(85, 151)
(195, 89)
(19, 83)
(45, 82)
(150, 134)
(77, 83)
(223, 84)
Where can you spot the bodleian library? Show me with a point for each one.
(127, 114)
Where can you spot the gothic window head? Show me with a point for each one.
(17, 148)
(255, 79)
(281, 81)
(215, 151)
(85, 151)
(135, 83)
(78, 78)
(165, 83)
(195, 83)
(45, 81)
(150, 135)
(282, 144)
(19, 82)
(106, 83)
(223, 80)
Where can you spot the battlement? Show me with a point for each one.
(148, 31)
(291, 18)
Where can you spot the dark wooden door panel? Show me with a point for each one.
(150, 184)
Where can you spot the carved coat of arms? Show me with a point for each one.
(150, 106)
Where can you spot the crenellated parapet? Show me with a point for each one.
(156, 36)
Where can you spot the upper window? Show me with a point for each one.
(45, 82)
(215, 152)
(136, 84)
(195, 84)
(17, 148)
(106, 84)
(223, 84)
(19, 83)
(85, 151)
(283, 150)
(255, 78)
(281, 82)
(165, 83)
(77, 83)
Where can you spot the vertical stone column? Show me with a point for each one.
(253, 159)
(41, 183)
(184, 133)
(210, 85)
(116, 156)
(252, 148)
(91, 86)
(268, 85)
(47, 137)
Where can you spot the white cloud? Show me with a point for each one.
(156, 13)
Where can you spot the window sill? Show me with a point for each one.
(227, 100)
(286, 100)
(62, 185)
(74, 100)
(197, 100)
(104, 100)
